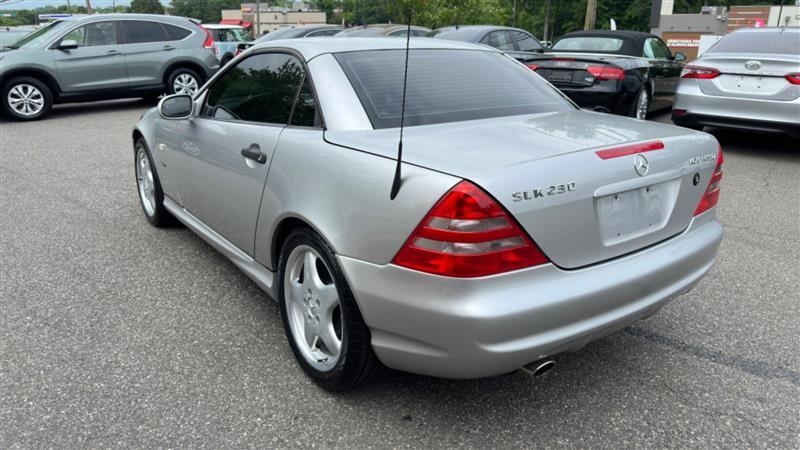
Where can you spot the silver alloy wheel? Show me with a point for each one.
(642, 103)
(313, 308)
(145, 182)
(185, 84)
(26, 99)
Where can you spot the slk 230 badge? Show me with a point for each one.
(544, 191)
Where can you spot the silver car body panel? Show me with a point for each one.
(337, 182)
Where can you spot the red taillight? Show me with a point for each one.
(616, 152)
(209, 42)
(711, 195)
(467, 234)
(606, 73)
(703, 73)
(793, 78)
(532, 66)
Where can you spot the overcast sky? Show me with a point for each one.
(32, 4)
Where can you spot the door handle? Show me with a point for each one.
(254, 152)
(113, 52)
(168, 47)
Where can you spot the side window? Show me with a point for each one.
(399, 33)
(261, 88)
(500, 40)
(141, 31)
(175, 33)
(665, 51)
(526, 42)
(648, 49)
(323, 33)
(226, 36)
(305, 110)
(94, 34)
(655, 49)
(419, 32)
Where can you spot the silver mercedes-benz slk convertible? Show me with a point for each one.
(522, 227)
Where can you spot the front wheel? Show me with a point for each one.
(322, 322)
(26, 98)
(149, 188)
(642, 105)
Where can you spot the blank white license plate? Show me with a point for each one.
(631, 214)
(751, 84)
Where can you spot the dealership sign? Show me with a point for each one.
(683, 43)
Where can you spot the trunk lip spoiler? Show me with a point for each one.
(630, 149)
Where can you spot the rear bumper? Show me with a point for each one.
(616, 102)
(730, 112)
(458, 328)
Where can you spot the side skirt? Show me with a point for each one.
(263, 277)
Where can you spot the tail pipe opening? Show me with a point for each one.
(539, 368)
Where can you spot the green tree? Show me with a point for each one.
(147, 7)
(207, 11)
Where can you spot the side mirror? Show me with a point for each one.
(176, 107)
(69, 44)
(679, 56)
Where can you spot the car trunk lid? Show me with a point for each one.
(574, 70)
(751, 76)
(544, 169)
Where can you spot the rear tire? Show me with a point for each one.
(322, 322)
(641, 106)
(225, 60)
(26, 99)
(184, 81)
(148, 185)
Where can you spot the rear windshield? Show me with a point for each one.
(781, 42)
(588, 44)
(446, 86)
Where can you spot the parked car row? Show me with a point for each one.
(749, 79)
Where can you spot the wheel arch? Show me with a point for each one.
(283, 229)
(38, 74)
(183, 64)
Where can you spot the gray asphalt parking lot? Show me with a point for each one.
(114, 333)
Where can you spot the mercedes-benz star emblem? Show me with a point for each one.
(641, 164)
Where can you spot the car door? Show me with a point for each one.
(672, 70)
(97, 64)
(221, 164)
(659, 66)
(147, 48)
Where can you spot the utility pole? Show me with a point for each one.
(591, 7)
(88, 6)
(114, 4)
(258, 18)
(69, 7)
(514, 14)
(546, 20)
(780, 15)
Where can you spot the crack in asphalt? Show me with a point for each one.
(761, 369)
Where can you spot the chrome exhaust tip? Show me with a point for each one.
(539, 368)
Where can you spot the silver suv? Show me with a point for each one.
(103, 57)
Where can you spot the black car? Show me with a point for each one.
(621, 72)
(514, 42)
(300, 32)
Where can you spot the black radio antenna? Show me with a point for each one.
(397, 174)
